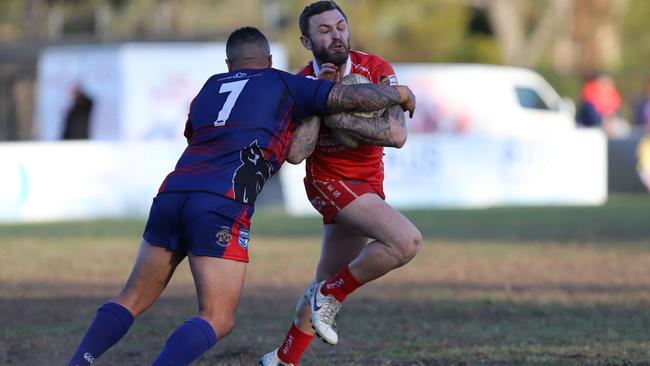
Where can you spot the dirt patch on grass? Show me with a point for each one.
(472, 304)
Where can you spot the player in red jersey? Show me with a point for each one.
(345, 186)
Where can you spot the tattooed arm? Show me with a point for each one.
(389, 129)
(304, 140)
(368, 98)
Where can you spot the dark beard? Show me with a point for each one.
(324, 55)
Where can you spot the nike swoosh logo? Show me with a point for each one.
(315, 306)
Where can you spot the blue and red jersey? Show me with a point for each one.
(239, 130)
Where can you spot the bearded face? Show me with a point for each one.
(329, 37)
(336, 52)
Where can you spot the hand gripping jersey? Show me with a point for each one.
(239, 130)
(331, 160)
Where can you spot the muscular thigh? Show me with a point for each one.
(340, 247)
(371, 216)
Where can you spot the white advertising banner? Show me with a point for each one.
(82, 180)
(140, 91)
(477, 171)
(93, 69)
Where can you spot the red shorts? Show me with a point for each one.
(329, 196)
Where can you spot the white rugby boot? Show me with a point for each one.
(323, 314)
(271, 359)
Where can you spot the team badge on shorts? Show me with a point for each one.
(244, 235)
(223, 236)
(318, 203)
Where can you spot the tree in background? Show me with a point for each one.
(564, 39)
(579, 35)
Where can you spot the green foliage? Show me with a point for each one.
(400, 31)
(478, 49)
(636, 50)
(413, 31)
(379, 27)
(566, 85)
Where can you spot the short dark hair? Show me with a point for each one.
(315, 9)
(247, 36)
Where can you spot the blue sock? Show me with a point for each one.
(110, 324)
(187, 343)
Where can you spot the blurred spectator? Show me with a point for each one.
(600, 103)
(642, 111)
(77, 120)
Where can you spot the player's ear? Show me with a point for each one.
(306, 42)
(270, 60)
(229, 64)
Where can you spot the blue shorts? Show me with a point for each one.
(200, 223)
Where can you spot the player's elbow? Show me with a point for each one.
(399, 138)
(295, 159)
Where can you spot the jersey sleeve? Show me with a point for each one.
(386, 71)
(309, 94)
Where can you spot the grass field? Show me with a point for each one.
(511, 286)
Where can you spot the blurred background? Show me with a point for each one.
(526, 168)
(124, 72)
(565, 41)
(547, 101)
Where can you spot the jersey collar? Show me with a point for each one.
(348, 67)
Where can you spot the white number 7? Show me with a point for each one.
(234, 89)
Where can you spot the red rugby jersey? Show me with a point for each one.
(331, 160)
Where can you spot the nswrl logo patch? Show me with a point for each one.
(244, 236)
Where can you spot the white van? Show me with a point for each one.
(484, 99)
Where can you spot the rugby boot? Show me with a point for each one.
(324, 309)
(271, 359)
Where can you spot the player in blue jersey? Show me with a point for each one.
(240, 129)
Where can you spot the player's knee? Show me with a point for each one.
(410, 246)
(416, 240)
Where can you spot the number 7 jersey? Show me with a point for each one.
(239, 130)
